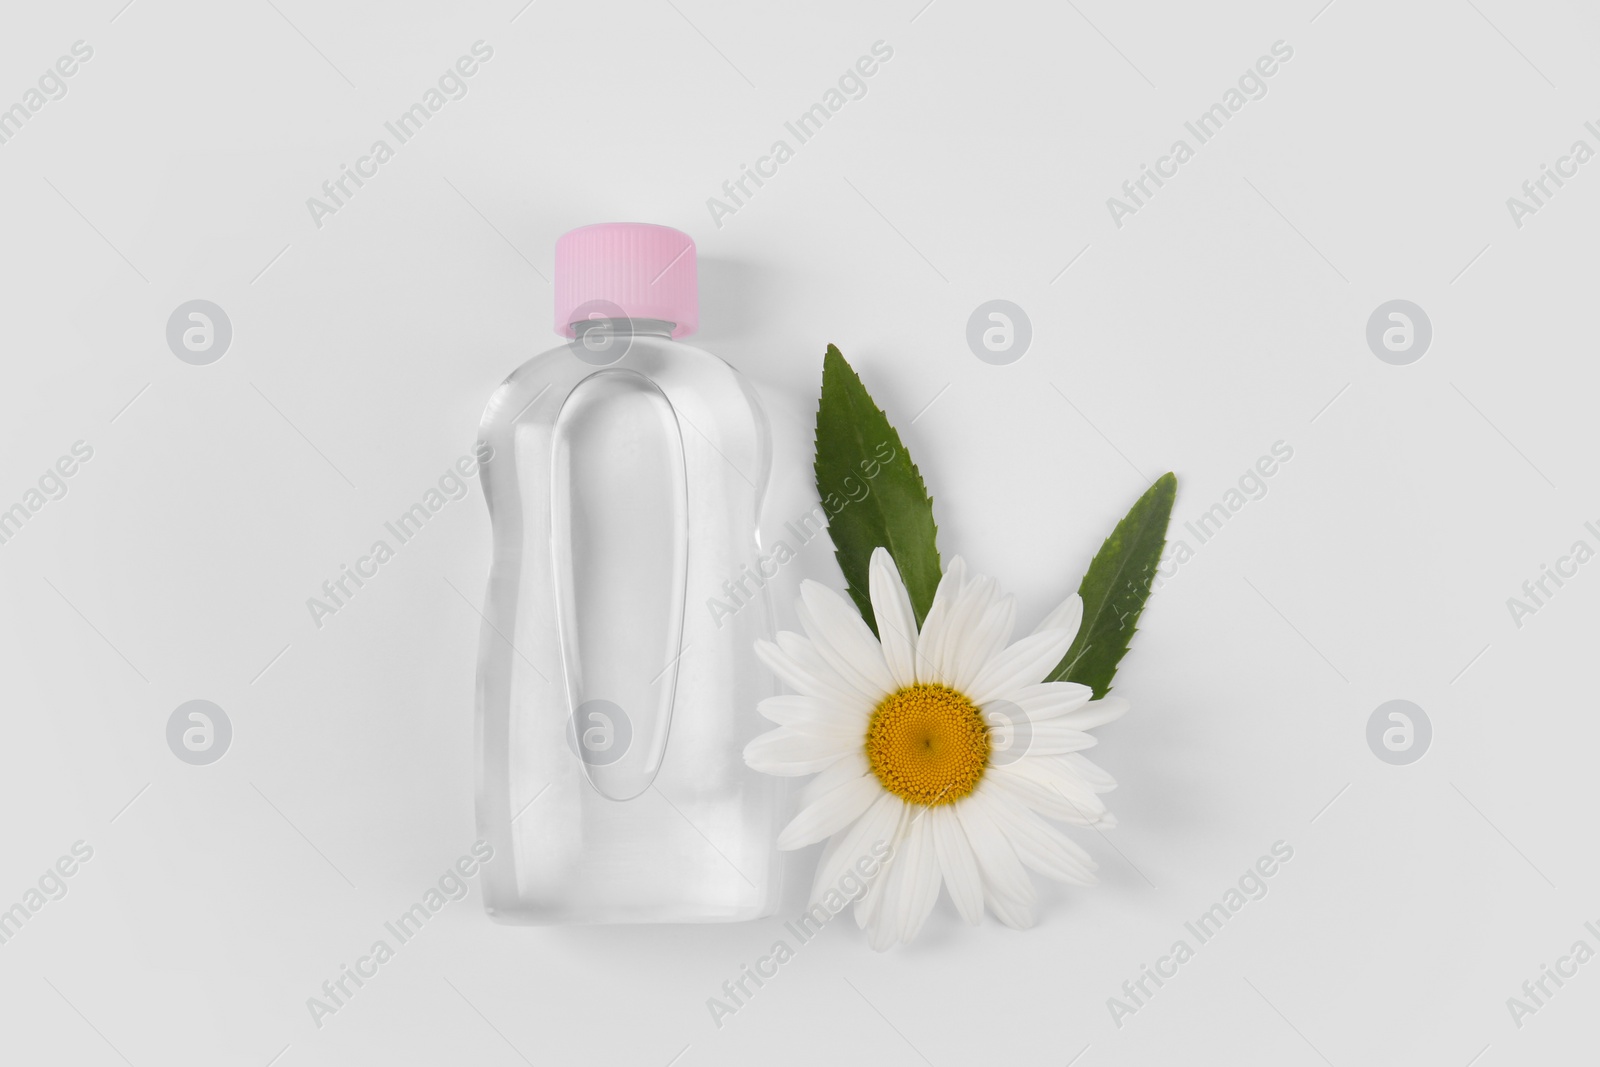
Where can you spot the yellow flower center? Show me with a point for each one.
(928, 744)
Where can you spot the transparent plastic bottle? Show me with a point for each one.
(625, 480)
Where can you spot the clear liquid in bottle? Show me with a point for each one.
(625, 478)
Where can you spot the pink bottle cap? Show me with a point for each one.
(627, 269)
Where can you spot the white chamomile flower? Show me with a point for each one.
(946, 745)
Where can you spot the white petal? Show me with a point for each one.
(869, 909)
(936, 625)
(1015, 913)
(1062, 772)
(897, 623)
(803, 711)
(1049, 700)
(842, 733)
(1050, 738)
(965, 615)
(1023, 663)
(1042, 847)
(1093, 775)
(957, 864)
(1097, 713)
(1063, 797)
(1067, 616)
(919, 877)
(830, 813)
(843, 638)
(876, 827)
(879, 920)
(804, 653)
(850, 766)
(1003, 872)
(984, 640)
(794, 661)
(887, 916)
(868, 906)
(786, 752)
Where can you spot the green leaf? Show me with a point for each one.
(871, 491)
(1115, 589)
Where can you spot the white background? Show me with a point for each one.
(1227, 315)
